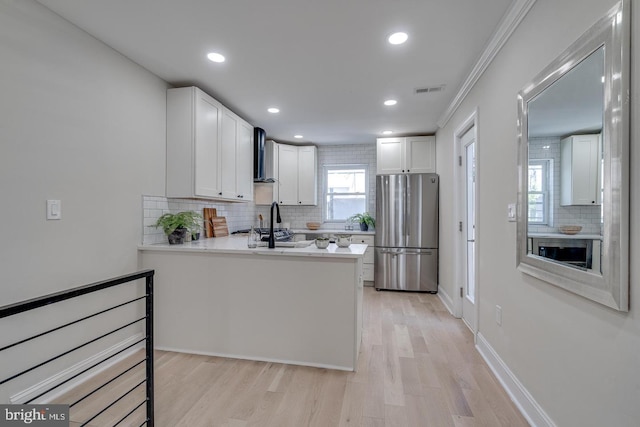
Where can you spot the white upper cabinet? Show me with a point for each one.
(244, 161)
(307, 173)
(236, 153)
(415, 154)
(297, 175)
(288, 174)
(209, 148)
(580, 174)
(193, 143)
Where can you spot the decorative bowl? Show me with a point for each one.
(343, 240)
(570, 229)
(322, 243)
(313, 225)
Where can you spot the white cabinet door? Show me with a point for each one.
(307, 171)
(193, 137)
(579, 170)
(228, 154)
(415, 154)
(390, 156)
(288, 174)
(244, 161)
(207, 123)
(420, 154)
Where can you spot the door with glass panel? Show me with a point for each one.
(468, 191)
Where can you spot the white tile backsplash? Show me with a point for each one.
(239, 215)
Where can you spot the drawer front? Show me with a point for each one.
(367, 272)
(367, 240)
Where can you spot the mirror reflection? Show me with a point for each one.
(565, 152)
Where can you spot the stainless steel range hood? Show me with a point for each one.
(262, 158)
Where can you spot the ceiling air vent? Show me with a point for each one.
(430, 89)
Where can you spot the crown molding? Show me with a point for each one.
(509, 22)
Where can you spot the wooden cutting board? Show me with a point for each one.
(207, 214)
(220, 228)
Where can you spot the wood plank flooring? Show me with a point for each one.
(417, 367)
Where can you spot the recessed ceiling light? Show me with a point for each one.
(298, 136)
(387, 132)
(273, 110)
(398, 38)
(602, 79)
(215, 57)
(390, 102)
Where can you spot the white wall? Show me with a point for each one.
(80, 123)
(578, 359)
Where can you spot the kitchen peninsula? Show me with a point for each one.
(298, 305)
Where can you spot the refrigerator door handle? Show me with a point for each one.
(405, 232)
(418, 252)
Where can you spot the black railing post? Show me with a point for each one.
(149, 350)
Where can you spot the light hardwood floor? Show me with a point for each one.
(417, 367)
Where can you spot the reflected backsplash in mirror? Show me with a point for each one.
(565, 216)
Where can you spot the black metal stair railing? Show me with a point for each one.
(35, 303)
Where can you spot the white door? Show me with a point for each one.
(468, 192)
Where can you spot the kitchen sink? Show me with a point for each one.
(300, 244)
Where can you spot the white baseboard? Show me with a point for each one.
(446, 300)
(529, 408)
(258, 359)
(58, 378)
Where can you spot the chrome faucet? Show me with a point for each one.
(272, 239)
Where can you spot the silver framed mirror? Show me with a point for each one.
(573, 167)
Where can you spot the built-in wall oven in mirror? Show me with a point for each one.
(573, 143)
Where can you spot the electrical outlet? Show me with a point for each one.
(499, 315)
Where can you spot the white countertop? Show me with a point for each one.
(238, 245)
(565, 236)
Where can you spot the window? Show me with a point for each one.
(345, 191)
(539, 197)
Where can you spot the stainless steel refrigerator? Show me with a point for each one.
(406, 241)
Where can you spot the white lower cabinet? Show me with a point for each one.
(368, 262)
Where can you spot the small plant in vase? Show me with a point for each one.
(176, 226)
(365, 219)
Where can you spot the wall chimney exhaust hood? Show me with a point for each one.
(262, 163)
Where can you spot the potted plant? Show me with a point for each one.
(176, 226)
(365, 219)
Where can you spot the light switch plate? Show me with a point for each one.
(511, 212)
(54, 209)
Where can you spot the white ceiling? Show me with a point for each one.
(573, 104)
(325, 64)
